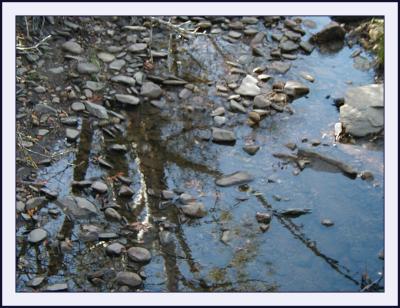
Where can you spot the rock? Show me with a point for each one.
(186, 198)
(112, 214)
(72, 134)
(251, 149)
(128, 279)
(78, 207)
(248, 20)
(150, 90)
(40, 89)
(288, 45)
(117, 64)
(331, 32)
(280, 67)
(293, 36)
(35, 282)
(124, 79)
(254, 116)
(97, 110)
(185, 94)
(264, 218)
(105, 163)
(125, 191)
(218, 112)
(307, 76)
(235, 34)
(367, 175)
(363, 112)
(115, 249)
(94, 86)
(327, 222)
(222, 135)
(87, 68)
(167, 194)
(99, 187)
(50, 194)
(315, 142)
(295, 89)
(35, 202)
(127, 99)
(295, 212)
(58, 287)
(227, 235)
(195, 210)
(72, 47)
(237, 107)
(77, 106)
(237, 178)
(291, 146)
(248, 87)
(41, 109)
(139, 254)
(381, 255)
(106, 57)
(160, 104)
(107, 236)
(219, 121)
(137, 47)
(264, 227)
(262, 101)
(56, 70)
(20, 206)
(306, 46)
(118, 147)
(37, 235)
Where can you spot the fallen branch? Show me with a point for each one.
(36, 46)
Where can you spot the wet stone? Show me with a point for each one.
(124, 79)
(367, 175)
(288, 46)
(72, 47)
(105, 57)
(78, 106)
(254, 116)
(150, 90)
(251, 149)
(234, 34)
(263, 217)
(218, 112)
(50, 194)
(56, 70)
(112, 214)
(248, 87)
(280, 67)
(139, 254)
(261, 101)
(107, 235)
(20, 207)
(327, 222)
(128, 279)
(40, 89)
(118, 147)
(125, 191)
(222, 135)
(194, 210)
(264, 227)
(58, 287)
(237, 107)
(137, 47)
(87, 68)
(167, 194)
(295, 88)
(115, 249)
(219, 121)
(72, 134)
(94, 86)
(99, 187)
(35, 282)
(127, 99)
(37, 235)
(84, 183)
(35, 202)
(186, 198)
(237, 178)
(307, 76)
(117, 65)
(306, 46)
(42, 132)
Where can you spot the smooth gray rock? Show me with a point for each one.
(20, 206)
(56, 70)
(124, 79)
(78, 207)
(219, 121)
(72, 47)
(363, 111)
(251, 149)
(35, 282)
(115, 249)
(167, 194)
(127, 99)
(288, 45)
(39, 89)
(125, 191)
(94, 86)
(72, 134)
(137, 47)
(151, 90)
(218, 112)
(327, 222)
(105, 56)
(129, 279)
(280, 67)
(58, 287)
(118, 147)
(306, 46)
(237, 107)
(35, 202)
(295, 88)
(248, 87)
(222, 135)
(37, 235)
(100, 187)
(44, 109)
(194, 209)
(139, 254)
(186, 198)
(87, 68)
(97, 110)
(237, 178)
(262, 101)
(112, 214)
(78, 106)
(117, 64)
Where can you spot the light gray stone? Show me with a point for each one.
(72, 47)
(105, 56)
(37, 235)
(124, 79)
(100, 187)
(151, 90)
(248, 87)
(237, 178)
(127, 99)
(87, 68)
(72, 134)
(222, 135)
(117, 64)
(137, 47)
(194, 209)
(97, 110)
(295, 88)
(112, 214)
(94, 86)
(139, 254)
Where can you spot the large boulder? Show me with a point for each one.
(331, 32)
(363, 111)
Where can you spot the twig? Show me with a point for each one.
(35, 46)
(185, 33)
(372, 284)
(27, 27)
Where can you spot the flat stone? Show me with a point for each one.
(254, 116)
(117, 64)
(115, 249)
(99, 187)
(137, 47)
(94, 86)
(124, 79)
(37, 235)
(167, 194)
(58, 287)
(280, 67)
(327, 222)
(295, 88)
(248, 20)
(235, 34)
(112, 214)
(73, 121)
(78, 207)
(50, 194)
(125, 191)
(127, 99)
(114, 49)
(139, 254)
(97, 110)
(185, 94)
(72, 47)
(222, 135)
(107, 236)
(87, 68)
(288, 45)
(56, 70)
(129, 279)
(151, 90)
(72, 134)
(20, 206)
(42, 132)
(306, 46)
(195, 210)
(219, 121)
(248, 87)
(307, 76)
(118, 147)
(251, 149)
(39, 89)
(293, 36)
(106, 57)
(186, 198)
(78, 106)
(237, 178)
(35, 202)
(41, 109)
(218, 111)
(35, 282)
(237, 107)
(262, 101)
(363, 112)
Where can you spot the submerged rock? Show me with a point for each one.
(280, 67)
(78, 207)
(295, 88)
(37, 235)
(327, 222)
(139, 254)
(251, 149)
(237, 178)
(128, 279)
(115, 249)
(223, 135)
(97, 110)
(112, 214)
(363, 111)
(195, 210)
